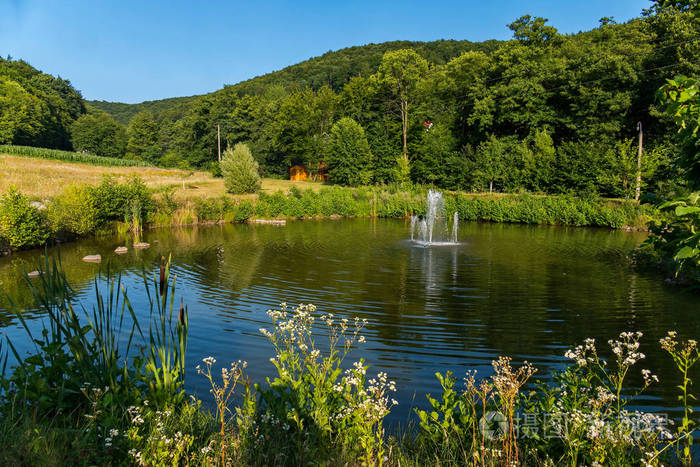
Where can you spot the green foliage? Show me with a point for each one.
(98, 133)
(676, 239)
(80, 363)
(21, 224)
(80, 210)
(115, 200)
(75, 211)
(313, 402)
(36, 108)
(67, 156)
(240, 171)
(143, 138)
(681, 96)
(435, 161)
(348, 155)
(400, 73)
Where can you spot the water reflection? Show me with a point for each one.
(527, 292)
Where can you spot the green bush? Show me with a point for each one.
(240, 171)
(215, 169)
(75, 211)
(115, 199)
(244, 211)
(21, 225)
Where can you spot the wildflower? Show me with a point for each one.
(669, 342)
(649, 377)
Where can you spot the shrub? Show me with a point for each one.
(21, 225)
(215, 169)
(115, 200)
(240, 171)
(244, 211)
(75, 211)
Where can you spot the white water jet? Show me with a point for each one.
(433, 229)
(455, 227)
(414, 219)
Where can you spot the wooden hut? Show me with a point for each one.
(298, 173)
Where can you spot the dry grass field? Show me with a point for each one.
(42, 178)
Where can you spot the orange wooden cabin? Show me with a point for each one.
(300, 173)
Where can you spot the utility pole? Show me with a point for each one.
(639, 163)
(218, 139)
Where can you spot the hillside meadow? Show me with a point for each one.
(42, 179)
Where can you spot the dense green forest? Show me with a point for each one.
(543, 112)
(123, 113)
(36, 109)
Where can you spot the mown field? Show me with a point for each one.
(43, 178)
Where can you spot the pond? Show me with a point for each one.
(523, 291)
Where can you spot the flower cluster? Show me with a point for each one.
(626, 348)
(156, 441)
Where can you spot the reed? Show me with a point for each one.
(78, 350)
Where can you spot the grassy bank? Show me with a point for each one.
(79, 399)
(131, 205)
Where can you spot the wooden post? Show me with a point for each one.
(638, 188)
(218, 139)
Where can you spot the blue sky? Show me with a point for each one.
(130, 51)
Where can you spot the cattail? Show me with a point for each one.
(162, 275)
(182, 312)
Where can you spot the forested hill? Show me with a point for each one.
(122, 112)
(333, 69)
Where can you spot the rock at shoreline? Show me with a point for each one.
(142, 245)
(269, 221)
(33, 274)
(92, 259)
(120, 250)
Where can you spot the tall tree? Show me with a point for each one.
(143, 138)
(401, 71)
(348, 155)
(98, 133)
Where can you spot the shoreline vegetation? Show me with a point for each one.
(88, 396)
(125, 203)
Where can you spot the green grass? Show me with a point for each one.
(69, 156)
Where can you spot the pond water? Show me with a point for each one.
(524, 291)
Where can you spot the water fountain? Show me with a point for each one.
(433, 229)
